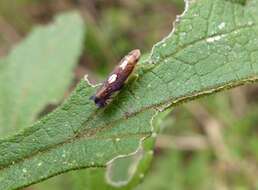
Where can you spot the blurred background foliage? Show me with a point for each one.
(208, 144)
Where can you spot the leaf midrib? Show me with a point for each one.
(90, 133)
(102, 128)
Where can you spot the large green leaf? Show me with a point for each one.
(39, 71)
(213, 47)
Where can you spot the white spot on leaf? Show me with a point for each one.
(117, 139)
(222, 25)
(215, 38)
(250, 23)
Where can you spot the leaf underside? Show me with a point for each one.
(213, 47)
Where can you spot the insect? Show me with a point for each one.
(117, 78)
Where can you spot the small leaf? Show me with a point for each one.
(39, 71)
(213, 47)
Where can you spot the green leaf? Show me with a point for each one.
(131, 168)
(141, 161)
(38, 71)
(213, 47)
(122, 174)
(71, 137)
(96, 178)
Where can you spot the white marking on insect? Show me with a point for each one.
(124, 63)
(112, 78)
